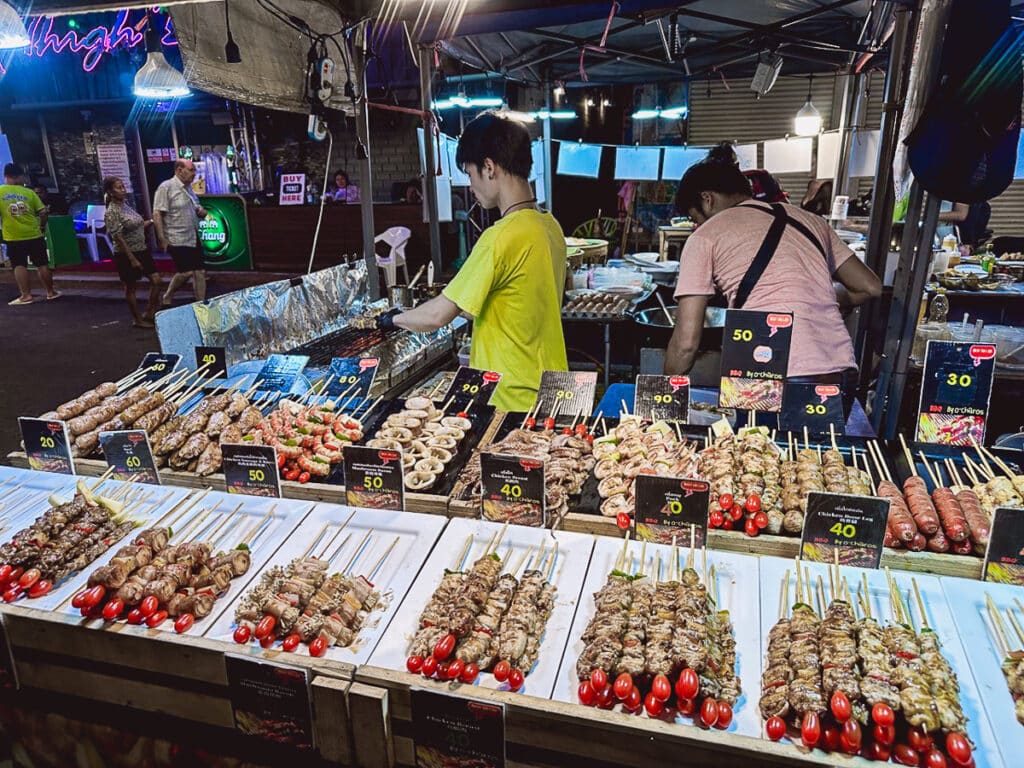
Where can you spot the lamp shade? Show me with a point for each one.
(12, 28)
(808, 120)
(157, 79)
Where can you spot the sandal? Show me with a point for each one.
(19, 301)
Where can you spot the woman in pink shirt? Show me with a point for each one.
(799, 261)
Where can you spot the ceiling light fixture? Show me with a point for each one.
(808, 119)
(12, 29)
(157, 79)
(557, 114)
(231, 52)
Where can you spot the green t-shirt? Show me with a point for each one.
(19, 209)
(512, 284)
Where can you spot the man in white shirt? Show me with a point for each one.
(176, 215)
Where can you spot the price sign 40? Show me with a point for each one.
(511, 491)
(846, 530)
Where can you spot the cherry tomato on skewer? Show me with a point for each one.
(291, 642)
(886, 734)
(761, 520)
(750, 528)
(623, 520)
(598, 679)
(5, 573)
(184, 622)
(727, 524)
(688, 684)
(623, 685)
(455, 669)
(810, 729)
(414, 663)
(501, 670)
(318, 647)
(135, 617)
(736, 513)
(633, 700)
(935, 759)
(113, 609)
(830, 738)
(686, 706)
(94, 596)
(149, 605)
(156, 619)
(904, 754)
(850, 739)
(882, 714)
(724, 716)
(515, 679)
(268, 641)
(840, 706)
(661, 688)
(40, 588)
(654, 706)
(709, 712)
(12, 593)
(470, 673)
(429, 666)
(752, 503)
(606, 698)
(442, 670)
(79, 599)
(30, 577)
(958, 748)
(775, 727)
(716, 518)
(919, 739)
(241, 634)
(444, 647)
(585, 693)
(725, 500)
(265, 626)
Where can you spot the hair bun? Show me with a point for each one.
(723, 153)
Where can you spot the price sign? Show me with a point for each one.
(47, 445)
(280, 372)
(451, 730)
(353, 377)
(128, 453)
(470, 384)
(668, 507)
(251, 469)
(855, 525)
(513, 489)
(1004, 560)
(374, 478)
(955, 389)
(815, 406)
(755, 357)
(270, 701)
(214, 358)
(571, 392)
(157, 365)
(662, 397)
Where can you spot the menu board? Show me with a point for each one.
(128, 453)
(157, 365)
(47, 445)
(819, 407)
(755, 358)
(453, 731)
(374, 478)
(270, 701)
(513, 490)
(470, 384)
(669, 508)
(853, 525)
(1004, 560)
(215, 358)
(280, 372)
(662, 398)
(955, 389)
(570, 392)
(251, 469)
(353, 377)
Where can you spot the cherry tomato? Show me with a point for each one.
(470, 673)
(15, 574)
(851, 737)
(291, 474)
(622, 686)
(761, 520)
(281, 459)
(30, 577)
(919, 739)
(958, 748)
(95, 595)
(291, 642)
(753, 503)
(709, 712)
(750, 528)
(149, 606)
(882, 714)
(653, 705)
(241, 635)
(40, 588)
(606, 698)
(303, 477)
(886, 734)
(736, 513)
(515, 679)
(268, 641)
(12, 593)
(318, 647)
(549, 423)
(565, 430)
(184, 623)
(442, 670)
(716, 518)
(78, 600)
(265, 627)
(501, 670)
(623, 520)
(904, 754)
(661, 688)
(586, 693)
(444, 647)
(156, 619)
(633, 700)
(531, 423)
(135, 617)
(727, 524)
(113, 609)
(724, 715)
(429, 666)
(775, 727)
(688, 684)
(414, 663)
(455, 669)
(5, 573)
(935, 759)
(840, 707)
(810, 729)
(725, 500)
(686, 706)
(830, 738)
(598, 679)
(879, 752)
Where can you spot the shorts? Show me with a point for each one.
(130, 274)
(187, 258)
(20, 252)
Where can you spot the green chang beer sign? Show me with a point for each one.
(224, 233)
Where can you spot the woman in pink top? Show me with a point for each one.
(799, 260)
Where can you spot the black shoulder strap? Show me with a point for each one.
(764, 255)
(799, 226)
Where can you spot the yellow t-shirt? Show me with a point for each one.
(512, 284)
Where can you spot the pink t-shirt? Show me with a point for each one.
(797, 279)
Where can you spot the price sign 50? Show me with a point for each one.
(742, 334)
(373, 483)
(257, 475)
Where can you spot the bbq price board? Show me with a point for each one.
(471, 384)
(1004, 559)
(374, 478)
(214, 358)
(853, 525)
(819, 407)
(955, 390)
(353, 376)
(451, 730)
(670, 507)
(47, 445)
(251, 469)
(662, 398)
(755, 358)
(128, 453)
(571, 392)
(270, 701)
(280, 372)
(157, 365)
(513, 490)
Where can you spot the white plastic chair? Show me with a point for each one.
(396, 239)
(93, 223)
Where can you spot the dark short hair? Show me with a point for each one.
(504, 140)
(13, 170)
(709, 175)
(340, 172)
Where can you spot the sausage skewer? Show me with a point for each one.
(926, 518)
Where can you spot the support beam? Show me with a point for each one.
(362, 119)
(426, 62)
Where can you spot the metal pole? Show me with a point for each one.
(362, 115)
(546, 135)
(853, 95)
(429, 157)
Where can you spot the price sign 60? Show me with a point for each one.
(133, 462)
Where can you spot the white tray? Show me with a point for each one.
(940, 617)
(23, 496)
(737, 580)
(573, 555)
(416, 536)
(978, 634)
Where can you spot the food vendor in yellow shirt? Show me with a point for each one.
(511, 284)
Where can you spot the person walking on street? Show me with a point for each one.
(24, 228)
(127, 230)
(176, 214)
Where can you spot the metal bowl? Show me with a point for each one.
(714, 317)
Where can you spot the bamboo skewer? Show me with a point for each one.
(784, 596)
(313, 543)
(997, 626)
(380, 561)
(355, 555)
(465, 551)
(1016, 626)
(250, 537)
(928, 468)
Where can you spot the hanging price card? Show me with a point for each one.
(47, 445)
(353, 377)
(755, 357)
(453, 731)
(374, 478)
(270, 701)
(251, 469)
(854, 525)
(157, 365)
(215, 359)
(955, 389)
(571, 392)
(470, 384)
(669, 507)
(818, 407)
(280, 372)
(1004, 560)
(662, 398)
(128, 453)
(513, 489)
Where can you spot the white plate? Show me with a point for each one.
(978, 633)
(571, 565)
(416, 535)
(737, 580)
(648, 257)
(941, 618)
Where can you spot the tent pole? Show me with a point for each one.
(362, 116)
(430, 156)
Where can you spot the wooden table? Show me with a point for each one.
(669, 235)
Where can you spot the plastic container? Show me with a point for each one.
(928, 332)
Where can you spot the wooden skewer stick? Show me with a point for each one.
(312, 544)
(1016, 626)
(596, 419)
(784, 596)
(969, 471)
(832, 434)
(831, 577)
(625, 409)
(465, 551)
(622, 555)
(977, 470)
(920, 602)
(342, 528)
(807, 439)
(194, 503)
(822, 602)
(193, 525)
(501, 535)
(490, 543)
(359, 549)
(250, 537)
(100, 480)
(554, 558)
(227, 517)
(808, 586)
(909, 455)
(529, 553)
(981, 457)
(866, 596)
(997, 625)
(137, 373)
(928, 468)
(338, 549)
(799, 581)
(998, 462)
(703, 558)
(1019, 606)
(228, 532)
(380, 561)
(373, 405)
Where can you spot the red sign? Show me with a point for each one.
(825, 391)
(492, 376)
(679, 381)
(979, 352)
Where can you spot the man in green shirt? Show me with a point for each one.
(24, 226)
